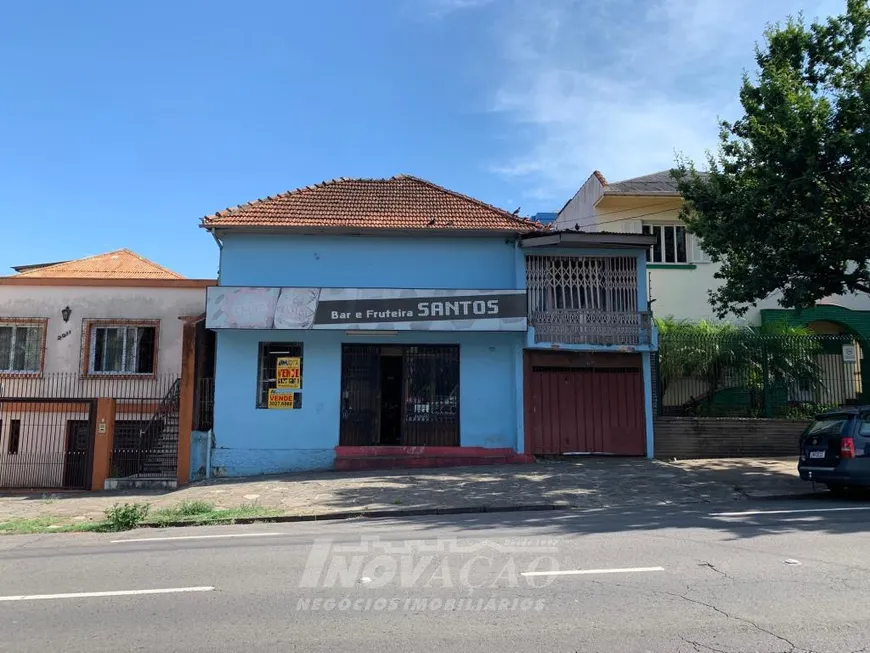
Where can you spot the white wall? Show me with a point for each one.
(681, 293)
(41, 458)
(63, 352)
(579, 209)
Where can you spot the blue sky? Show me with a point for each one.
(122, 123)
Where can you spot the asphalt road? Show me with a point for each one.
(777, 576)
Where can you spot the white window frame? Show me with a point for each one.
(6, 366)
(686, 243)
(134, 360)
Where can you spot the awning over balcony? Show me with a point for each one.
(588, 239)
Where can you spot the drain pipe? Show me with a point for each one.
(220, 245)
(208, 453)
(210, 442)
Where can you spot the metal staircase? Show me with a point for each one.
(155, 457)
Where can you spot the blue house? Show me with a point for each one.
(386, 322)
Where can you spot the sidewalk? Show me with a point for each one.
(580, 482)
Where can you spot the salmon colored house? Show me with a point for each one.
(97, 359)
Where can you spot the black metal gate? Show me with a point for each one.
(360, 395)
(46, 443)
(428, 396)
(147, 447)
(431, 407)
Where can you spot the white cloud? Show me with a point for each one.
(620, 86)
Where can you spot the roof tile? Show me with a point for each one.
(657, 182)
(400, 202)
(120, 264)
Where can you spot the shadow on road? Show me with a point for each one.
(643, 494)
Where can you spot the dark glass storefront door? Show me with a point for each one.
(400, 395)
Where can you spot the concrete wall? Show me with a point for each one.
(255, 441)
(579, 210)
(64, 340)
(43, 433)
(41, 456)
(681, 292)
(689, 437)
(368, 261)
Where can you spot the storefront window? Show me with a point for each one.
(432, 382)
(267, 378)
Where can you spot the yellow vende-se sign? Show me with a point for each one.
(280, 399)
(288, 370)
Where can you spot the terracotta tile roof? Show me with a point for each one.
(120, 264)
(401, 202)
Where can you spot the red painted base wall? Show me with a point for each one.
(363, 458)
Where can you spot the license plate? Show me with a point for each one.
(817, 454)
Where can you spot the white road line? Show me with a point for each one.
(88, 595)
(583, 572)
(194, 537)
(749, 513)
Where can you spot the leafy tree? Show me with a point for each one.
(785, 204)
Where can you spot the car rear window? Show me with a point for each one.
(832, 425)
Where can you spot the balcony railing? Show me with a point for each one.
(591, 327)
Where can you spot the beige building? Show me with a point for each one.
(104, 326)
(680, 275)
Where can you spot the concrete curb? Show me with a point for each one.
(762, 496)
(428, 512)
(367, 514)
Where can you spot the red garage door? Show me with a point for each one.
(584, 403)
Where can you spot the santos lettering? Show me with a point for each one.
(486, 308)
(463, 308)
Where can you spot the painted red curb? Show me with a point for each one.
(348, 451)
(371, 458)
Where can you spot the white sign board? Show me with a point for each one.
(850, 354)
(359, 309)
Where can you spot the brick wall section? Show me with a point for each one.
(690, 437)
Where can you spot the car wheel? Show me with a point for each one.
(838, 490)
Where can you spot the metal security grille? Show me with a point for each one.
(147, 447)
(592, 283)
(360, 392)
(429, 397)
(46, 443)
(431, 408)
(204, 405)
(585, 300)
(586, 370)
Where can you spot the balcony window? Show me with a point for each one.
(585, 300)
(670, 245)
(592, 283)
